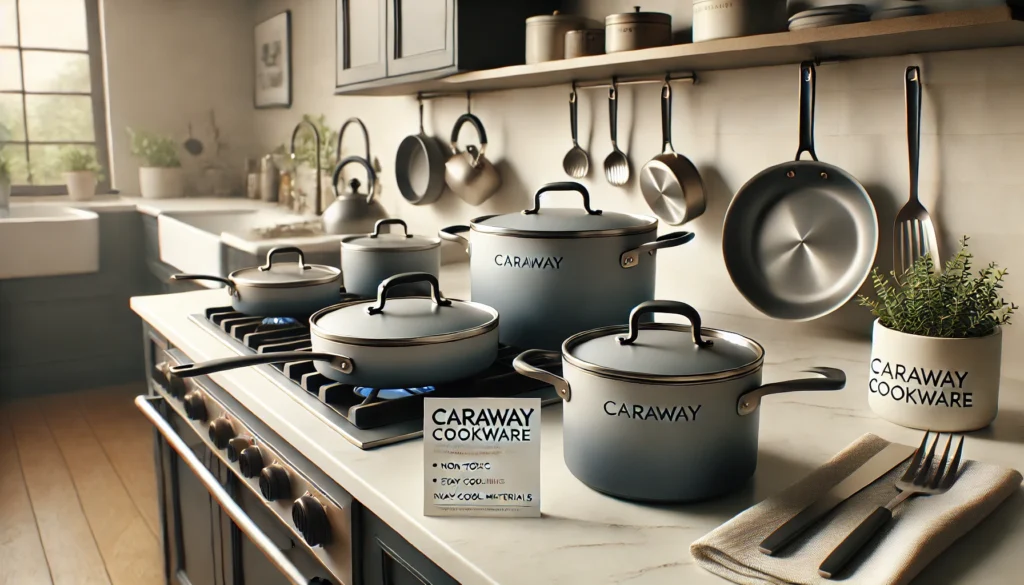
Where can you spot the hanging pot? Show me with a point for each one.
(283, 289)
(663, 412)
(367, 260)
(552, 273)
(353, 212)
(469, 174)
(389, 342)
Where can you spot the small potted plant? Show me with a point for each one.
(305, 158)
(81, 172)
(937, 344)
(5, 186)
(160, 177)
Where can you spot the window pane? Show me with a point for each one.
(8, 23)
(53, 24)
(15, 156)
(10, 69)
(48, 71)
(12, 124)
(59, 118)
(45, 161)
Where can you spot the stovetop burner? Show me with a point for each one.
(366, 416)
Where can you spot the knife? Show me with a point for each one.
(872, 469)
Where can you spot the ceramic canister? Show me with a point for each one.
(931, 383)
(722, 19)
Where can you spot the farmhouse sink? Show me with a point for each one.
(44, 240)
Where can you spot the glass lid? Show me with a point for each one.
(665, 352)
(285, 274)
(394, 241)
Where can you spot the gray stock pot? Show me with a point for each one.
(662, 412)
(552, 273)
(367, 260)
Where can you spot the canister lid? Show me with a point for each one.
(555, 17)
(638, 17)
(393, 241)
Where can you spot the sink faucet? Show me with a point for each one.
(319, 170)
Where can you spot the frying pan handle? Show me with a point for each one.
(406, 278)
(666, 118)
(523, 366)
(563, 186)
(631, 258)
(808, 87)
(283, 250)
(913, 79)
(832, 379)
(383, 222)
(366, 137)
(667, 307)
(225, 281)
(371, 176)
(613, 112)
(476, 123)
(213, 366)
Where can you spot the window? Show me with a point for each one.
(51, 90)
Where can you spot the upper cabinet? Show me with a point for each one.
(389, 42)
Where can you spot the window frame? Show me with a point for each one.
(97, 93)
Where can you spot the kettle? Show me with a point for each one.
(353, 212)
(469, 174)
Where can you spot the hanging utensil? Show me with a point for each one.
(576, 162)
(418, 154)
(469, 174)
(914, 232)
(192, 145)
(616, 165)
(670, 183)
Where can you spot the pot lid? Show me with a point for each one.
(565, 222)
(637, 17)
(404, 320)
(285, 274)
(664, 352)
(403, 242)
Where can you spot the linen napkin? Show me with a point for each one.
(922, 527)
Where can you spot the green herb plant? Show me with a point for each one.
(155, 150)
(5, 169)
(955, 303)
(74, 159)
(305, 144)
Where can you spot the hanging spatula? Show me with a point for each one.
(914, 232)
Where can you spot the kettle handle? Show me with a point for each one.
(479, 130)
(341, 134)
(371, 176)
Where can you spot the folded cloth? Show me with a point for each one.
(922, 527)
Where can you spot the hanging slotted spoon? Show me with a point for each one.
(576, 162)
(616, 165)
(914, 232)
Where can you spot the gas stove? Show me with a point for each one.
(366, 417)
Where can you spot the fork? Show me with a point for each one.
(919, 480)
(914, 232)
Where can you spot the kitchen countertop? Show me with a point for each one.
(103, 203)
(586, 537)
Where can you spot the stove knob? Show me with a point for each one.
(221, 431)
(195, 405)
(275, 483)
(310, 518)
(236, 446)
(250, 462)
(176, 385)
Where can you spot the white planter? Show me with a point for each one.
(161, 183)
(931, 383)
(81, 185)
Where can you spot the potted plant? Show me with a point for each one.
(5, 186)
(305, 158)
(81, 172)
(937, 344)
(160, 177)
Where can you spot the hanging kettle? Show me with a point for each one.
(353, 212)
(469, 174)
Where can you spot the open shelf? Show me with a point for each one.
(998, 26)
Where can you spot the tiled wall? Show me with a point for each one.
(733, 124)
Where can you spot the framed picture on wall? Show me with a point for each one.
(274, 62)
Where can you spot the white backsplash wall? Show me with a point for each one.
(733, 124)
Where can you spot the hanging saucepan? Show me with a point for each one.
(419, 167)
(663, 412)
(367, 260)
(389, 342)
(670, 183)
(283, 289)
(800, 238)
(469, 174)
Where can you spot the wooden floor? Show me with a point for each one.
(78, 491)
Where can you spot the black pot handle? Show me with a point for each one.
(407, 278)
(225, 281)
(479, 130)
(563, 186)
(668, 307)
(341, 133)
(523, 366)
(831, 379)
(371, 176)
(631, 258)
(808, 87)
(392, 221)
(284, 250)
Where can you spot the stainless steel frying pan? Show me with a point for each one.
(800, 238)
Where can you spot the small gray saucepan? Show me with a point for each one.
(367, 260)
(284, 289)
(663, 412)
(389, 342)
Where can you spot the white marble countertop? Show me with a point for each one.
(103, 203)
(586, 537)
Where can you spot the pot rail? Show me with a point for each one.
(343, 364)
(832, 379)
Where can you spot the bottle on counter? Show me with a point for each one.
(269, 179)
(252, 178)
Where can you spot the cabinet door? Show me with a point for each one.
(388, 559)
(421, 35)
(360, 34)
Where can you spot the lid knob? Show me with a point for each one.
(637, 9)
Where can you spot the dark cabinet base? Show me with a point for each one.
(388, 559)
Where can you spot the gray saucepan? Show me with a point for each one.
(389, 342)
(670, 183)
(800, 238)
(663, 412)
(282, 289)
(419, 167)
(367, 260)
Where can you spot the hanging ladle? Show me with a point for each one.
(576, 162)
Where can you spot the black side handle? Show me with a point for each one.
(808, 87)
